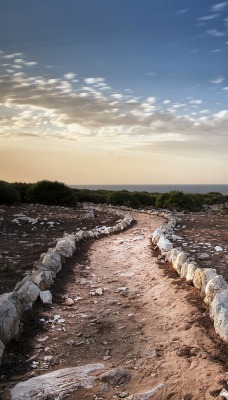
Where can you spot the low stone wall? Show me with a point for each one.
(213, 287)
(34, 285)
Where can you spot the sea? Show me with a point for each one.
(223, 189)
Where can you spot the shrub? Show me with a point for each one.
(123, 198)
(22, 189)
(51, 193)
(90, 196)
(8, 193)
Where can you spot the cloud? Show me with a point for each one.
(183, 11)
(43, 106)
(215, 33)
(25, 63)
(225, 88)
(219, 6)
(218, 80)
(208, 17)
(196, 102)
(70, 76)
(91, 81)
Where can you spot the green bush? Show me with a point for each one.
(22, 189)
(90, 196)
(123, 198)
(51, 193)
(8, 193)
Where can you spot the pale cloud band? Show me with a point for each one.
(64, 108)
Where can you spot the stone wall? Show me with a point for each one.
(36, 284)
(213, 287)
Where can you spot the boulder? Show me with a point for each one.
(57, 384)
(214, 286)
(46, 296)
(184, 270)
(2, 348)
(10, 312)
(219, 313)
(192, 267)
(202, 277)
(28, 294)
(156, 235)
(43, 279)
(164, 244)
(52, 259)
(180, 259)
(66, 246)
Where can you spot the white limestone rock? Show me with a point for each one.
(28, 294)
(164, 244)
(52, 260)
(202, 277)
(57, 384)
(66, 246)
(214, 286)
(192, 267)
(46, 296)
(219, 313)
(156, 235)
(10, 311)
(181, 258)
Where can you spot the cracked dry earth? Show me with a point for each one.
(130, 311)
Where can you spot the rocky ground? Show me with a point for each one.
(115, 303)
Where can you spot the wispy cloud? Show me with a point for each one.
(214, 32)
(217, 80)
(208, 17)
(182, 11)
(219, 6)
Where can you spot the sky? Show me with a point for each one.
(114, 91)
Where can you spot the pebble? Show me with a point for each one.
(105, 358)
(69, 301)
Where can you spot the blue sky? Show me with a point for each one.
(121, 85)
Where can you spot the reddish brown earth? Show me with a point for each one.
(145, 320)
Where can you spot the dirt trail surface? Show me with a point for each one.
(130, 311)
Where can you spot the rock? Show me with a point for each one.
(52, 260)
(10, 316)
(46, 296)
(116, 377)
(214, 286)
(28, 294)
(203, 256)
(218, 248)
(181, 258)
(224, 393)
(69, 301)
(156, 235)
(2, 348)
(66, 246)
(164, 244)
(219, 312)
(99, 291)
(202, 277)
(57, 384)
(192, 267)
(146, 395)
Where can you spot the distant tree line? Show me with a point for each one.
(57, 193)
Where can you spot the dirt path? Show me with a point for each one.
(129, 313)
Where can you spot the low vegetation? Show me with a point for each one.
(56, 193)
